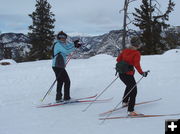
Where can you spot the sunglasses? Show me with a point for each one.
(62, 37)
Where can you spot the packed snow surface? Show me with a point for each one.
(23, 85)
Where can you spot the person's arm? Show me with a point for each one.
(70, 48)
(64, 49)
(119, 58)
(137, 65)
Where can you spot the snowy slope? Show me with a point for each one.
(22, 86)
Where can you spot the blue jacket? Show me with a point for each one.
(61, 51)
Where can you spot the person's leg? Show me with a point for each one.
(133, 93)
(67, 83)
(124, 79)
(58, 73)
(59, 90)
(130, 82)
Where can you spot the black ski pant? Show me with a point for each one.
(130, 82)
(62, 79)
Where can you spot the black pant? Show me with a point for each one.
(62, 78)
(130, 82)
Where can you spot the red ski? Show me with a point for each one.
(141, 116)
(72, 102)
(144, 102)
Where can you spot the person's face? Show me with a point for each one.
(62, 39)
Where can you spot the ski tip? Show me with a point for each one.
(38, 106)
(158, 99)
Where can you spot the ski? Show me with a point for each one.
(72, 102)
(89, 97)
(144, 102)
(141, 116)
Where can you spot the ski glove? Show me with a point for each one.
(144, 74)
(76, 41)
(77, 44)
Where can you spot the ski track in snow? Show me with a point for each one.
(22, 86)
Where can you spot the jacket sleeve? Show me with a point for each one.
(70, 48)
(64, 49)
(137, 65)
(119, 58)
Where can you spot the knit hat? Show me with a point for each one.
(135, 41)
(61, 34)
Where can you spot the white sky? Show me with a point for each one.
(73, 16)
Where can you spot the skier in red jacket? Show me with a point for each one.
(131, 56)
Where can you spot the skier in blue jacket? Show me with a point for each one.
(61, 50)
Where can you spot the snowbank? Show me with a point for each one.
(172, 52)
(7, 62)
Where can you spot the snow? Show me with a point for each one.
(22, 85)
(172, 52)
(8, 61)
(80, 34)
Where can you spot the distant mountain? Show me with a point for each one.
(109, 43)
(13, 37)
(17, 44)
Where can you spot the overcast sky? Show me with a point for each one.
(74, 16)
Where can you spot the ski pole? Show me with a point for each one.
(51, 87)
(48, 91)
(122, 100)
(100, 94)
(69, 58)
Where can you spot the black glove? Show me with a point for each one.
(77, 44)
(144, 74)
(76, 41)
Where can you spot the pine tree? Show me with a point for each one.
(41, 31)
(172, 38)
(152, 24)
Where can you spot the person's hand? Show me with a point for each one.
(144, 74)
(76, 41)
(77, 44)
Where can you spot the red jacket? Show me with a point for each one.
(132, 57)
